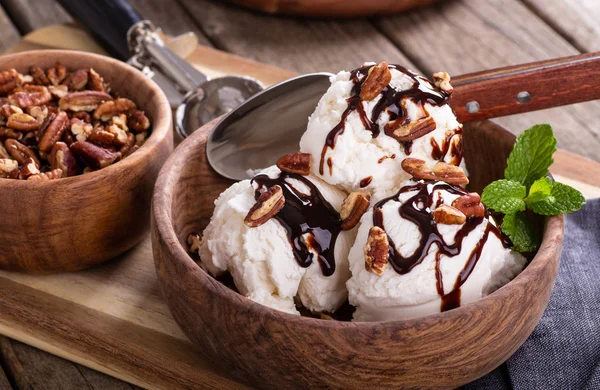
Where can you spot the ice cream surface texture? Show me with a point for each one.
(301, 253)
(358, 142)
(434, 262)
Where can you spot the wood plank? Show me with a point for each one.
(35, 369)
(29, 15)
(468, 36)
(296, 44)
(575, 20)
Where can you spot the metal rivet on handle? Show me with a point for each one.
(523, 97)
(472, 107)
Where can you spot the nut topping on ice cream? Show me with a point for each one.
(440, 171)
(268, 203)
(295, 163)
(353, 208)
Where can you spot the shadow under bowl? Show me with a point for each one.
(271, 349)
(77, 222)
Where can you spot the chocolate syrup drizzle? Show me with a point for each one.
(421, 92)
(417, 209)
(312, 224)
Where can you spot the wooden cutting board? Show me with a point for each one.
(112, 318)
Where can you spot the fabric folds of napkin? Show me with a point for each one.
(563, 352)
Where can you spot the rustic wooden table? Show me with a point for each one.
(457, 36)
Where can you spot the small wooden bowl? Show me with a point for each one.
(77, 222)
(271, 349)
(333, 8)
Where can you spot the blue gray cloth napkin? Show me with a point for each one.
(563, 352)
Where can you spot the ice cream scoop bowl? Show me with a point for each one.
(275, 349)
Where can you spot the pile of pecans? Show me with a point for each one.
(56, 123)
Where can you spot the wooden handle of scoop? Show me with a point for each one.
(528, 87)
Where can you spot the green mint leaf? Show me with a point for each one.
(539, 191)
(532, 155)
(563, 199)
(505, 196)
(519, 230)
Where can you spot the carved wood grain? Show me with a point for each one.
(275, 349)
(77, 222)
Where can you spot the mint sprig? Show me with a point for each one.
(527, 187)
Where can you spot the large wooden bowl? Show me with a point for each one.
(271, 349)
(77, 222)
(333, 8)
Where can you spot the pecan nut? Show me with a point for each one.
(83, 100)
(3, 152)
(45, 176)
(54, 132)
(62, 158)
(29, 169)
(107, 110)
(39, 77)
(298, 163)
(377, 251)
(30, 95)
(8, 109)
(194, 242)
(99, 136)
(448, 173)
(138, 122)
(376, 81)
(80, 129)
(403, 132)
(7, 165)
(38, 112)
(470, 205)
(77, 80)
(57, 74)
(442, 81)
(268, 204)
(9, 80)
(448, 215)
(96, 82)
(6, 132)
(120, 136)
(94, 156)
(353, 208)
(20, 152)
(22, 122)
(58, 91)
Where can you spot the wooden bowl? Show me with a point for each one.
(333, 8)
(77, 222)
(271, 349)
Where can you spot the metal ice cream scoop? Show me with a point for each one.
(198, 98)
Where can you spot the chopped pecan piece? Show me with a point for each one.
(138, 121)
(54, 132)
(107, 110)
(377, 251)
(298, 163)
(7, 110)
(22, 122)
(57, 74)
(94, 156)
(45, 176)
(38, 112)
(20, 152)
(268, 204)
(353, 208)
(451, 174)
(7, 165)
(442, 81)
(448, 215)
(29, 169)
(470, 205)
(96, 82)
(194, 242)
(83, 101)
(80, 129)
(411, 130)
(39, 77)
(377, 80)
(9, 80)
(77, 80)
(62, 158)
(58, 91)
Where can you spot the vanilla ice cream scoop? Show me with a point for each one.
(361, 131)
(416, 255)
(301, 252)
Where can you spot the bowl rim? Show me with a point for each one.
(160, 125)
(162, 221)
